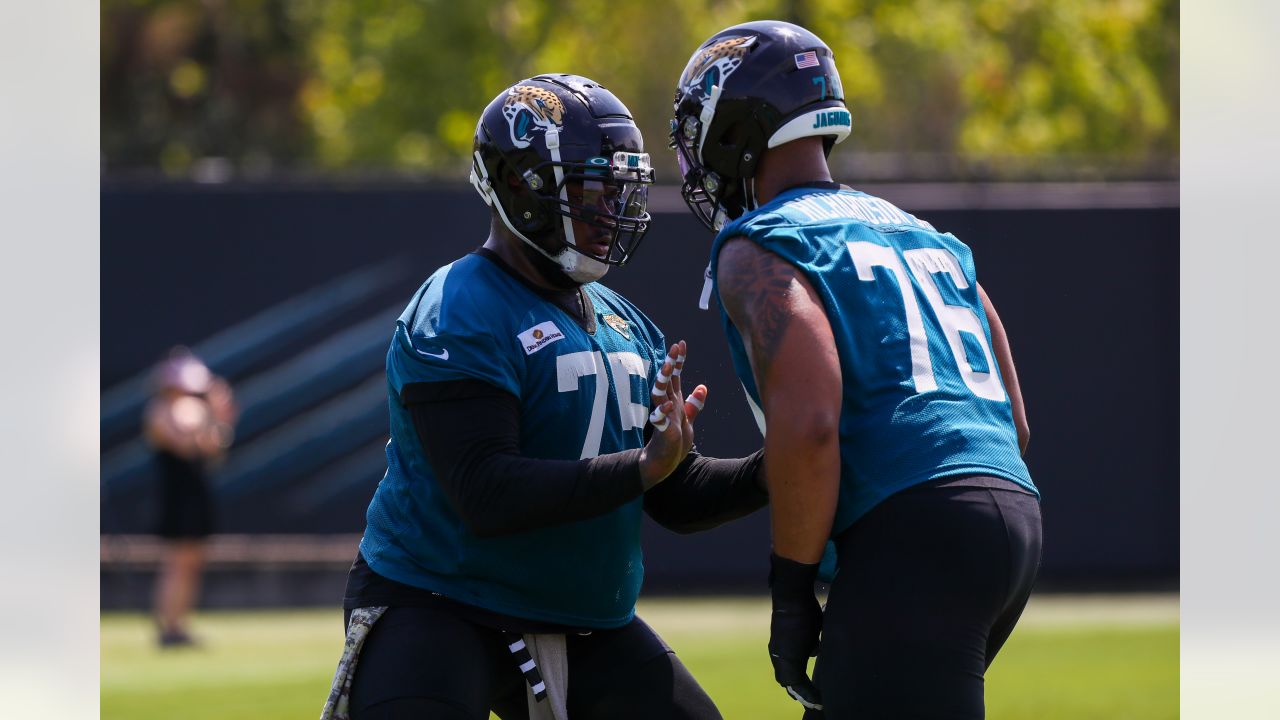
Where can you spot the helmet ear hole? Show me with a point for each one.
(527, 211)
(740, 147)
(752, 147)
(524, 209)
(530, 218)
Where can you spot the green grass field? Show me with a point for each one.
(1112, 658)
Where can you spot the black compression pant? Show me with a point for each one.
(425, 662)
(930, 584)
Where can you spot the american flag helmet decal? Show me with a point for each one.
(806, 59)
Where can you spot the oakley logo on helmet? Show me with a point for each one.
(529, 108)
(715, 64)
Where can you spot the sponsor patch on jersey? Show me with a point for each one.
(539, 336)
(618, 324)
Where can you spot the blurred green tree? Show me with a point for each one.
(1009, 83)
(183, 80)
(987, 86)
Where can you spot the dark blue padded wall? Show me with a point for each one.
(293, 291)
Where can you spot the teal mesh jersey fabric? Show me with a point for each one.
(580, 396)
(922, 395)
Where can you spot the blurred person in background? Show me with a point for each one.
(189, 424)
(501, 562)
(883, 375)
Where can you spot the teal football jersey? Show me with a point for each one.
(922, 397)
(580, 394)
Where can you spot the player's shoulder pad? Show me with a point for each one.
(459, 298)
(452, 330)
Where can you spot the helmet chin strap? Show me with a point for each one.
(576, 265)
(581, 268)
(708, 113)
(549, 270)
(705, 117)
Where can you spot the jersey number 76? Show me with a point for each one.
(925, 264)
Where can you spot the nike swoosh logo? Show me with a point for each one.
(443, 356)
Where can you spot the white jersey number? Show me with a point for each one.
(954, 319)
(572, 367)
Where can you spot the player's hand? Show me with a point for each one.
(794, 628)
(672, 437)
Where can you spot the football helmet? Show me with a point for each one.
(555, 149)
(749, 88)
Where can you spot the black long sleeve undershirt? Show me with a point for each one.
(705, 492)
(470, 433)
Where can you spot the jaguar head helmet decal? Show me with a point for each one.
(715, 64)
(529, 109)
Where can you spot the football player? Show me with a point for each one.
(883, 375)
(535, 414)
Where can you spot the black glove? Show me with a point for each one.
(794, 628)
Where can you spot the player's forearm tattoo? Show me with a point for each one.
(755, 286)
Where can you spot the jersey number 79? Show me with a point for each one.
(572, 367)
